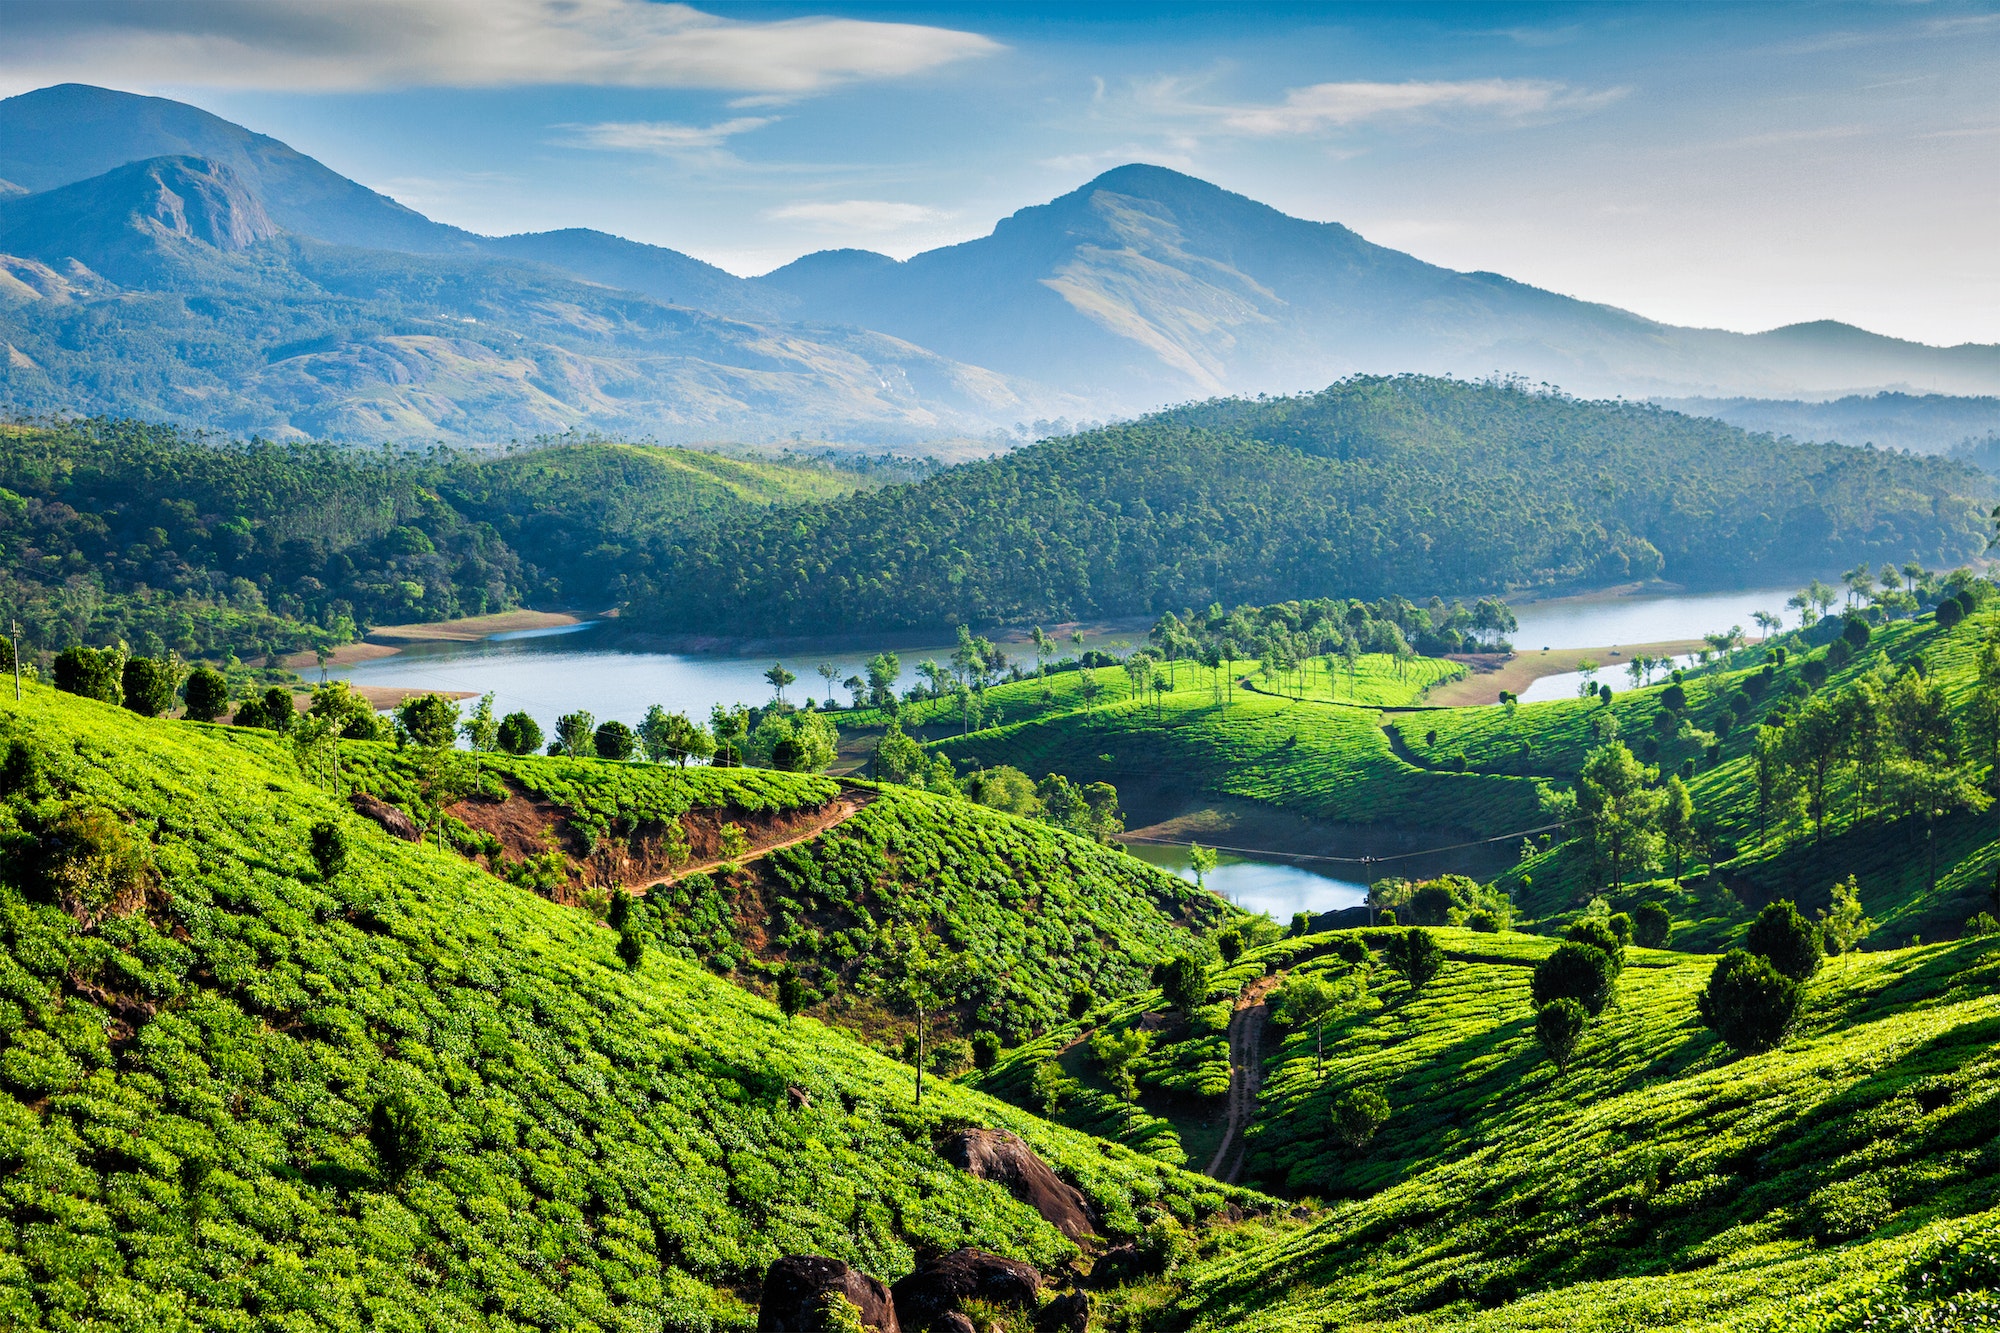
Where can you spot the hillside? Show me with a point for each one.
(1372, 487)
(233, 1088)
(1924, 423)
(170, 540)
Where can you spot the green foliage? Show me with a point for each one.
(328, 846)
(92, 673)
(1652, 925)
(403, 1133)
(576, 736)
(1579, 972)
(614, 740)
(149, 687)
(1749, 1003)
(1503, 484)
(207, 694)
(1785, 939)
(519, 734)
(1414, 956)
(1183, 982)
(1114, 1053)
(427, 721)
(1358, 1116)
(1559, 1025)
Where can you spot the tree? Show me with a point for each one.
(1201, 860)
(1815, 741)
(427, 721)
(1416, 957)
(348, 712)
(1652, 925)
(1559, 1027)
(576, 735)
(1081, 1000)
(917, 979)
(673, 736)
(480, 730)
(519, 734)
(274, 711)
(1949, 614)
(985, 1049)
(1183, 982)
(1358, 1115)
(1307, 1002)
(1579, 972)
(1677, 827)
(1115, 1054)
(614, 740)
(884, 670)
(1229, 943)
(778, 678)
(1842, 923)
(149, 685)
(632, 943)
(1612, 792)
(829, 673)
(791, 993)
(328, 845)
(207, 694)
(1786, 939)
(1748, 1003)
(92, 673)
(1772, 771)
(1598, 934)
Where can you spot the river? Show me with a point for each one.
(1277, 888)
(1612, 621)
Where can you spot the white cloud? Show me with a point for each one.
(296, 45)
(1325, 106)
(859, 215)
(658, 136)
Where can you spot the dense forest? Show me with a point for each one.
(1374, 486)
(183, 542)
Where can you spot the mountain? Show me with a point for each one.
(1378, 486)
(165, 288)
(1147, 285)
(1925, 423)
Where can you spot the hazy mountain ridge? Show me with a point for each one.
(1925, 423)
(1143, 287)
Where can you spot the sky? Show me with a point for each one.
(1724, 165)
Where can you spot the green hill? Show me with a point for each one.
(1374, 486)
(235, 1093)
(117, 529)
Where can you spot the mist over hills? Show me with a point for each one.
(158, 260)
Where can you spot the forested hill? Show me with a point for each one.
(1375, 485)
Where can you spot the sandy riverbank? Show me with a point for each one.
(1482, 684)
(387, 640)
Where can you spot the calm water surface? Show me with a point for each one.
(1277, 888)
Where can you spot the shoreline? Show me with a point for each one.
(389, 640)
(1482, 684)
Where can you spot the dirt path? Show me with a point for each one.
(851, 802)
(1246, 1075)
(1482, 685)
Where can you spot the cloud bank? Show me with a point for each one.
(299, 45)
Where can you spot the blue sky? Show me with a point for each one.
(1729, 165)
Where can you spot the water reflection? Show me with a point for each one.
(1277, 888)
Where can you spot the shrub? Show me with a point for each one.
(632, 945)
(1558, 1027)
(93, 866)
(1598, 934)
(328, 844)
(951, 1057)
(1855, 633)
(1183, 981)
(1950, 612)
(520, 734)
(207, 694)
(1302, 924)
(1652, 925)
(985, 1050)
(1578, 972)
(148, 686)
(1415, 957)
(1847, 1209)
(1749, 1003)
(1358, 1115)
(401, 1132)
(1620, 926)
(1980, 925)
(1229, 944)
(1080, 1001)
(90, 672)
(1787, 939)
(427, 721)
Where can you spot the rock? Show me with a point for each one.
(393, 821)
(795, 1291)
(801, 1099)
(941, 1283)
(954, 1322)
(1065, 1314)
(1117, 1266)
(1004, 1158)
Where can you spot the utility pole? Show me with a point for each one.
(14, 648)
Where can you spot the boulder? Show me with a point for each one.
(393, 821)
(943, 1282)
(1065, 1314)
(796, 1288)
(954, 1322)
(1004, 1158)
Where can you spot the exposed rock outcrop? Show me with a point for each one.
(943, 1282)
(1004, 1158)
(796, 1288)
(393, 821)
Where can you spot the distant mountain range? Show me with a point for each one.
(1924, 423)
(160, 261)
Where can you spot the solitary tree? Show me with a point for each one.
(519, 734)
(1748, 1003)
(1579, 972)
(1307, 1002)
(576, 735)
(1229, 943)
(403, 1134)
(791, 993)
(614, 740)
(916, 978)
(1842, 923)
(207, 694)
(1183, 982)
(1786, 939)
(149, 686)
(481, 731)
(829, 673)
(1558, 1027)
(1201, 860)
(1416, 957)
(1652, 925)
(779, 678)
(328, 845)
(1358, 1115)
(427, 721)
(1612, 791)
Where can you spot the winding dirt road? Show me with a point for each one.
(1246, 1076)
